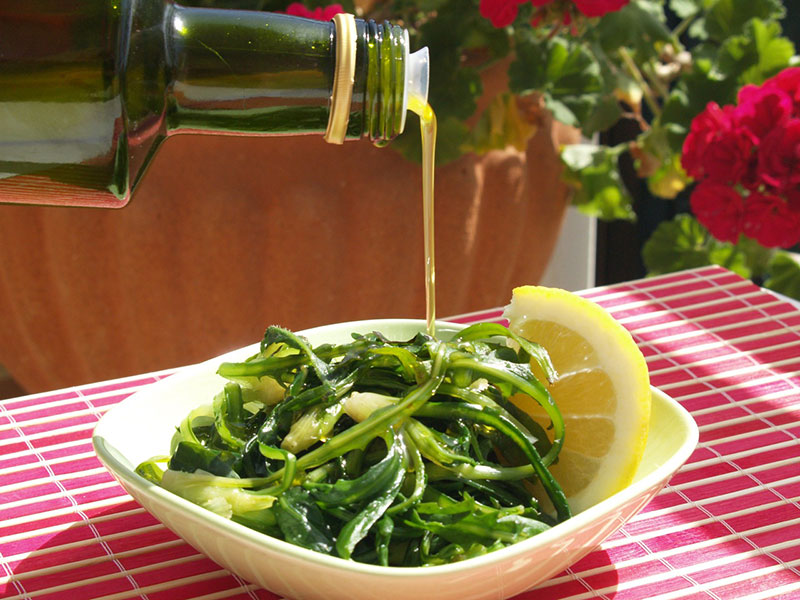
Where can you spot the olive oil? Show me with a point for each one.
(427, 122)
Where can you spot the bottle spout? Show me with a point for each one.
(415, 92)
(417, 75)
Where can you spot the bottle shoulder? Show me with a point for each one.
(146, 77)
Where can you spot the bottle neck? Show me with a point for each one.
(258, 73)
(384, 52)
(89, 89)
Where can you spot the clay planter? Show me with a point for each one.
(229, 235)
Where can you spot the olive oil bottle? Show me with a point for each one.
(89, 89)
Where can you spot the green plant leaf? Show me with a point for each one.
(456, 87)
(685, 8)
(606, 113)
(638, 26)
(784, 274)
(564, 71)
(697, 30)
(757, 54)
(302, 522)
(485, 36)
(729, 17)
(570, 112)
(684, 244)
(528, 73)
(756, 256)
(594, 174)
(426, 6)
(457, 94)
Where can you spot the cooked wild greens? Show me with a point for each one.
(393, 453)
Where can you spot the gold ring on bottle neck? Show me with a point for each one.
(343, 78)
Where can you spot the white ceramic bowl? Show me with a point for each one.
(129, 434)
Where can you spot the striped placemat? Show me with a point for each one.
(727, 525)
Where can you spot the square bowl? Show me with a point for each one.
(128, 434)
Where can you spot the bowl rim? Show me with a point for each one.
(108, 455)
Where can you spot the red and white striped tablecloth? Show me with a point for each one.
(727, 525)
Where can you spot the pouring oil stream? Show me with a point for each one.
(427, 123)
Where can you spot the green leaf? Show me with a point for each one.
(455, 88)
(150, 470)
(302, 522)
(456, 95)
(564, 71)
(685, 8)
(528, 350)
(374, 481)
(528, 73)
(485, 36)
(755, 55)
(189, 457)
(594, 173)
(637, 26)
(357, 528)
(571, 111)
(605, 114)
(684, 244)
(483, 527)
(429, 5)
(729, 17)
(757, 257)
(784, 275)
(697, 30)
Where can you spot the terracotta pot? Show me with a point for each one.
(229, 235)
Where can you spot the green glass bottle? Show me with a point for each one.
(90, 88)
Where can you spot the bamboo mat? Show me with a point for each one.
(726, 526)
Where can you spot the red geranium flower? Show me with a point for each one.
(750, 178)
(701, 134)
(761, 109)
(719, 207)
(501, 12)
(770, 221)
(752, 148)
(716, 147)
(779, 156)
(728, 157)
(788, 80)
(321, 13)
(597, 8)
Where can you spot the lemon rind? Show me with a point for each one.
(627, 370)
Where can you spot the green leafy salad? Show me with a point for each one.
(391, 453)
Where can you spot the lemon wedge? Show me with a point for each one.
(602, 390)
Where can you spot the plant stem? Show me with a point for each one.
(683, 26)
(634, 72)
(661, 89)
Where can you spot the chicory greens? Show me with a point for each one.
(394, 453)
